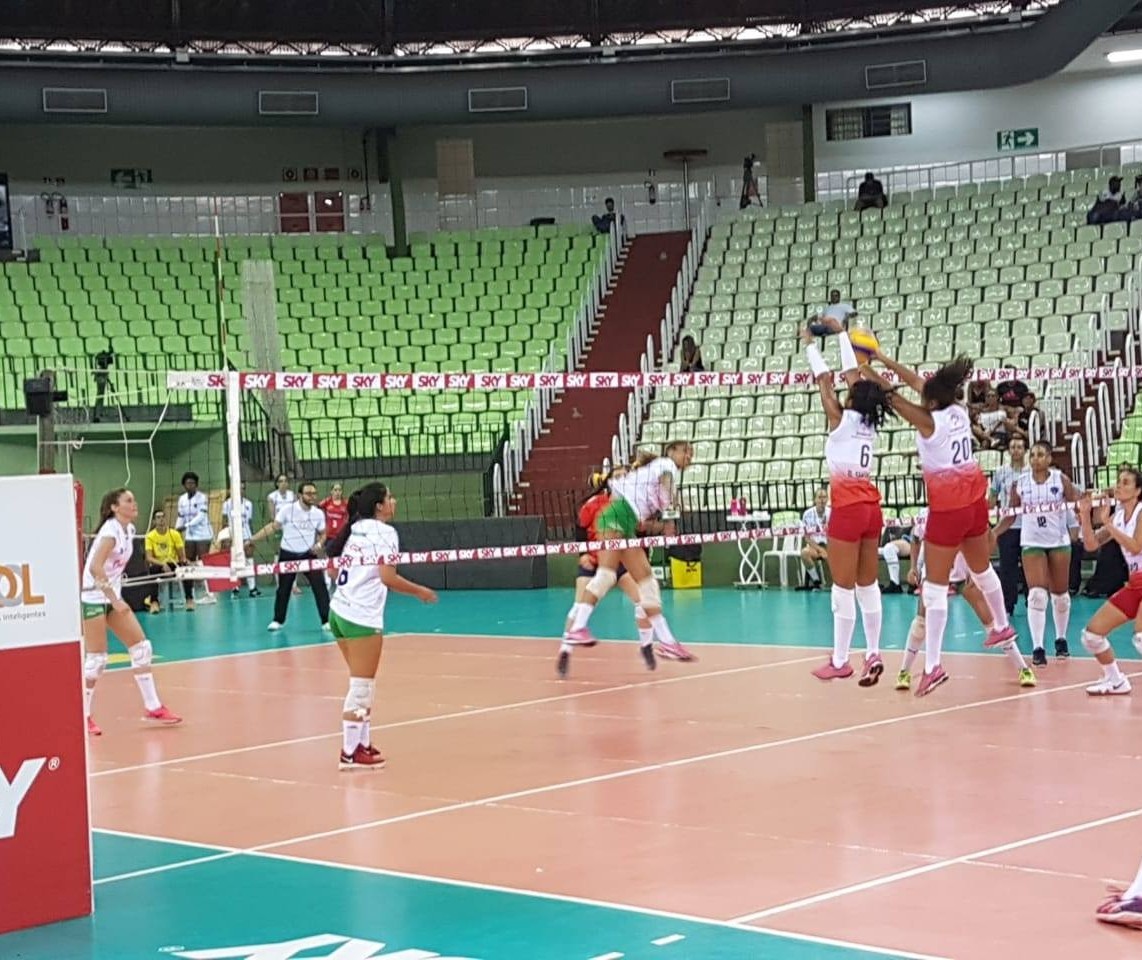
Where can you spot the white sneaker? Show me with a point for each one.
(326, 628)
(208, 598)
(1108, 688)
(274, 625)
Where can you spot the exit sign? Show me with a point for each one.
(1024, 139)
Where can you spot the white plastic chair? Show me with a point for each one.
(790, 549)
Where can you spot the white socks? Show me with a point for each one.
(146, 682)
(871, 614)
(1061, 608)
(844, 623)
(352, 734)
(992, 590)
(660, 628)
(1037, 599)
(914, 643)
(88, 696)
(1135, 889)
(581, 615)
(1011, 648)
(891, 560)
(935, 622)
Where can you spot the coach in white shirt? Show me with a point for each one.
(302, 525)
(193, 522)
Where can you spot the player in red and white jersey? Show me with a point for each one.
(958, 520)
(1123, 606)
(856, 522)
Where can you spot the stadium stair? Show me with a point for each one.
(581, 423)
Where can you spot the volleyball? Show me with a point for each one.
(864, 344)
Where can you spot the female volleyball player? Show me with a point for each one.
(1124, 605)
(972, 595)
(357, 612)
(957, 501)
(1123, 907)
(635, 498)
(856, 522)
(104, 607)
(1045, 539)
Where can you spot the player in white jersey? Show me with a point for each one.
(856, 522)
(959, 575)
(1123, 606)
(958, 519)
(1045, 539)
(636, 497)
(104, 607)
(366, 545)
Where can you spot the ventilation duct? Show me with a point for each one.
(74, 100)
(287, 103)
(497, 99)
(906, 73)
(711, 90)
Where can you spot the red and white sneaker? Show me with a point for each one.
(873, 668)
(930, 680)
(581, 637)
(163, 715)
(93, 728)
(674, 651)
(363, 758)
(1118, 910)
(997, 637)
(828, 672)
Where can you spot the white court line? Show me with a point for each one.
(457, 715)
(666, 941)
(938, 865)
(531, 894)
(609, 956)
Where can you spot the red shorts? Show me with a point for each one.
(950, 528)
(1129, 598)
(855, 522)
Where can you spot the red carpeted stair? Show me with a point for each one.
(582, 422)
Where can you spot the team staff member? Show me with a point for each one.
(302, 526)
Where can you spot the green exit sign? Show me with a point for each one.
(1024, 139)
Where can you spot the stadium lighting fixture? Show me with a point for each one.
(1125, 56)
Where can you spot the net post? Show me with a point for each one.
(232, 399)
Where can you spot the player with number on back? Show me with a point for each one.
(958, 519)
(856, 522)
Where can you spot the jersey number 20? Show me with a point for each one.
(961, 451)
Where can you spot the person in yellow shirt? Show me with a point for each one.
(165, 551)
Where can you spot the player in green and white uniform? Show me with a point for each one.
(357, 611)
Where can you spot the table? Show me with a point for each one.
(749, 548)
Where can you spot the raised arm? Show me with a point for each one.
(918, 416)
(906, 374)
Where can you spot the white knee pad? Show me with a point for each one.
(142, 653)
(935, 595)
(987, 579)
(601, 583)
(1061, 602)
(869, 598)
(916, 634)
(1138, 642)
(1095, 643)
(1037, 599)
(93, 666)
(650, 596)
(640, 616)
(844, 603)
(359, 699)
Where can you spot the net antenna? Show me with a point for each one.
(240, 565)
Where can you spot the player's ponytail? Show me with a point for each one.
(108, 504)
(871, 402)
(362, 505)
(945, 386)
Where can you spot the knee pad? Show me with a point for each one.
(93, 666)
(359, 699)
(844, 603)
(142, 653)
(1095, 643)
(869, 598)
(640, 616)
(1061, 602)
(1138, 642)
(935, 595)
(650, 596)
(601, 583)
(916, 634)
(987, 579)
(1037, 599)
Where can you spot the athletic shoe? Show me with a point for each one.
(236, 592)
(274, 625)
(1039, 657)
(1108, 688)
(930, 680)
(828, 672)
(1062, 651)
(1120, 911)
(581, 637)
(563, 663)
(997, 637)
(647, 651)
(255, 592)
(873, 668)
(892, 588)
(93, 728)
(163, 715)
(189, 606)
(363, 758)
(674, 651)
(1027, 678)
(326, 628)
(208, 598)
(904, 680)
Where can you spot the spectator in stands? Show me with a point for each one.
(603, 221)
(1108, 206)
(1133, 208)
(1009, 542)
(691, 359)
(194, 524)
(871, 194)
(165, 551)
(1027, 409)
(994, 426)
(815, 521)
(834, 318)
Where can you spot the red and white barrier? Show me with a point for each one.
(45, 831)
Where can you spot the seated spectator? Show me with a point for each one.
(1133, 208)
(815, 521)
(691, 360)
(993, 426)
(603, 221)
(871, 194)
(1027, 409)
(977, 395)
(834, 318)
(1108, 206)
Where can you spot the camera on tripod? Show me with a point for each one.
(104, 359)
(749, 183)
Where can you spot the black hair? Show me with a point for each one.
(872, 403)
(189, 475)
(941, 388)
(108, 504)
(156, 513)
(1038, 443)
(307, 483)
(362, 505)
